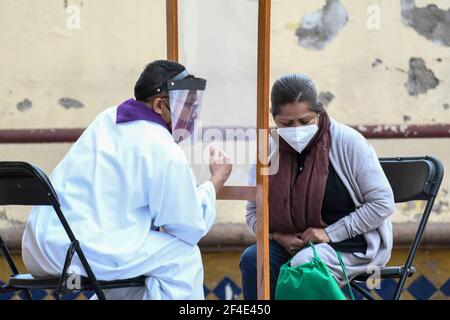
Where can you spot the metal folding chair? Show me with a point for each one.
(25, 184)
(411, 179)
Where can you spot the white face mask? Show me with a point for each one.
(298, 137)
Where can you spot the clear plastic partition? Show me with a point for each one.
(218, 41)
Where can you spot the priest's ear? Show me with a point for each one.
(161, 107)
(157, 105)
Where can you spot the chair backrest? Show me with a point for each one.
(24, 184)
(413, 178)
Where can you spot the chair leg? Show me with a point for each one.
(361, 290)
(8, 257)
(98, 290)
(62, 288)
(27, 294)
(83, 260)
(12, 266)
(414, 247)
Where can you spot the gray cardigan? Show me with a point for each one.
(357, 164)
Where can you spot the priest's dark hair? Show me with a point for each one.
(155, 74)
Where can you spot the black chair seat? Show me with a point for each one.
(27, 281)
(385, 273)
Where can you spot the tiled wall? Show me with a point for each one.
(222, 277)
(432, 280)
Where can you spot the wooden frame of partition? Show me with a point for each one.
(262, 125)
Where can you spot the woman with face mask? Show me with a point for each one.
(329, 189)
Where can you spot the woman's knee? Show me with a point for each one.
(248, 258)
(303, 256)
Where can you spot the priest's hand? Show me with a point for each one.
(219, 167)
(316, 235)
(292, 242)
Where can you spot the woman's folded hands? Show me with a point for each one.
(294, 242)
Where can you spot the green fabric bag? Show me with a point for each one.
(310, 281)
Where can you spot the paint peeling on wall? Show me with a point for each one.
(6, 221)
(377, 62)
(325, 98)
(66, 4)
(420, 78)
(24, 105)
(69, 103)
(441, 206)
(431, 22)
(319, 28)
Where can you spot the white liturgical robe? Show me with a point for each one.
(132, 201)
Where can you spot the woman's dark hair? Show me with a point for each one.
(292, 88)
(155, 74)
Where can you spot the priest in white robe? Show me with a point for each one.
(130, 197)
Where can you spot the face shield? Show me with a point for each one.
(185, 97)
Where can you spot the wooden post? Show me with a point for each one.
(172, 29)
(262, 179)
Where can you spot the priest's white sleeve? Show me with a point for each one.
(180, 207)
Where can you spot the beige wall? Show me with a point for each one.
(364, 94)
(372, 95)
(97, 65)
(43, 60)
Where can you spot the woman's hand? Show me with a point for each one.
(292, 242)
(316, 235)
